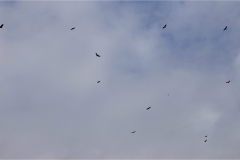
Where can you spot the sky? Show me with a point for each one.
(51, 106)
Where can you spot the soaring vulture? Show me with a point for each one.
(148, 108)
(164, 26)
(73, 28)
(228, 82)
(133, 132)
(98, 81)
(1, 26)
(97, 55)
(206, 136)
(225, 28)
(205, 141)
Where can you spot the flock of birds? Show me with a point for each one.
(168, 94)
(206, 139)
(100, 56)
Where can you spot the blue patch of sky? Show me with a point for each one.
(153, 13)
(147, 11)
(8, 3)
(193, 47)
(211, 49)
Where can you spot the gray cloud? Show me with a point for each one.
(51, 105)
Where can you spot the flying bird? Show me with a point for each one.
(228, 82)
(225, 28)
(98, 81)
(205, 141)
(133, 132)
(148, 108)
(97, 55)
(206, 136)
(1, 26)
(164, 26)
(73, 28)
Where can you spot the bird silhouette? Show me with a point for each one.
(98, 81)
(97, 55)
(206, 136)
(133, 132)
(228, 82)
(1, 26)
(148, 108)
(73, 28)
(205, 141)
(225, 28)
(164, 26)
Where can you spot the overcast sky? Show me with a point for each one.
(51, 105)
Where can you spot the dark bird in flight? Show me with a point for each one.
(228, 82)
(98, 81)
(133, 132)
(148, 108)
(225, 28)
(97, 55)
(164, 26)
(73, 28)
(1, 26)
(205, 141)
(206, 136)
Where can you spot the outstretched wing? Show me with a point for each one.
(97, 55)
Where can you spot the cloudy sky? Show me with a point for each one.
(51, 105)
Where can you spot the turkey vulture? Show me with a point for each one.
(148, 108)
(205, 141)
(73, 28)
(97, 55)
(1, 26)
(164, 26)
(98, 81)
(228, 82)
(133, 132)
(225, 28)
